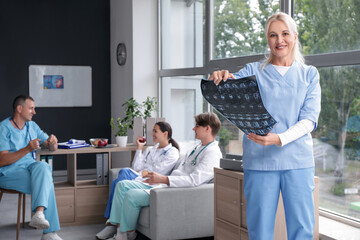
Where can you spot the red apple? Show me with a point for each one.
(142, 140)
(102, 143)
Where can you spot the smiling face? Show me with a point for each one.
(281, 43)
(27, 111)
(158, 135)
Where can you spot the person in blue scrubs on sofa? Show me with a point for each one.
(19, 170)
(283, 159)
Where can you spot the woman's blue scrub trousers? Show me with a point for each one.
(262, 189)
(35, 179)
(124, 174)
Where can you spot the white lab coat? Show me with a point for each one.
(155, 159)
(189, 174)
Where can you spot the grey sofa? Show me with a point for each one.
(177, 213)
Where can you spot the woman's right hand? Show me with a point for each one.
(221, 75)
(140, 144)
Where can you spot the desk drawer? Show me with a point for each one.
(91, 204)
(228, 199)
(65, 200)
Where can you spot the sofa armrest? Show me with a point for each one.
(179, 213)
(113, 174)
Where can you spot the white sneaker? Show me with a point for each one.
(119, 236)
(50, 236)
(38, 221)
(131, 235)
(107, 232)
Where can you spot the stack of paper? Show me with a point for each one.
(73, 143)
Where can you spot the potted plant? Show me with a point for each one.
(133, 110)
(122, 125)
(120, 131)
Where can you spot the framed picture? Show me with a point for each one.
(60, 86)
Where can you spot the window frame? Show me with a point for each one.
(234, 64)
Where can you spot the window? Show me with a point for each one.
(230, 137)
(337, 140)
(181, 101)
(239, 27)
(229, 34)
(328, 26)
(181, 33)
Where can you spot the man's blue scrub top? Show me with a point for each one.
(13, 139)
(289, 99)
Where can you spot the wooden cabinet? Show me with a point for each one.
(65, 201)
(81, 201)
(230, 208)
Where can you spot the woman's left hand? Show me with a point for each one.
(269, 139)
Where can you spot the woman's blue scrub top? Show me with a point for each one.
(13, 139)
(289, 99)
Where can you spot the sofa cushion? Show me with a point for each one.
(144, 218)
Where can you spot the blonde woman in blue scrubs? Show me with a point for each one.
(283, 159)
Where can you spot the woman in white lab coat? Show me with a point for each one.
(160, 158)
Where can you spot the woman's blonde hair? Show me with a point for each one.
(290, 23)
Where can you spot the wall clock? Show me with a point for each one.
(121, 54)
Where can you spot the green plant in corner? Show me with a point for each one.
(149, 105)
(119, 128)
(132, 110)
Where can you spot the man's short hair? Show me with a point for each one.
(209, 119)
(20, 100)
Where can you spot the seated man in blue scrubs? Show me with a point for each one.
(19, 170)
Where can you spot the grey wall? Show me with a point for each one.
(58, 32)
(133, 22)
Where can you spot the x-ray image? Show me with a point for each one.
(239, 101)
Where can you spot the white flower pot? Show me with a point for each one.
(121, 141)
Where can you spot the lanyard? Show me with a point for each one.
(164, 153)
(27, 133)
(193, 162)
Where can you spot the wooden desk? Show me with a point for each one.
(82, 201)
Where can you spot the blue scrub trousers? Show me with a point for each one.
(35, 179)
(262, 189)
(124, 174)
(129, 198)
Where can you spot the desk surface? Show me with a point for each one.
(115, 148)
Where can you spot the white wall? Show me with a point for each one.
(145, 49)
(133, 22)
